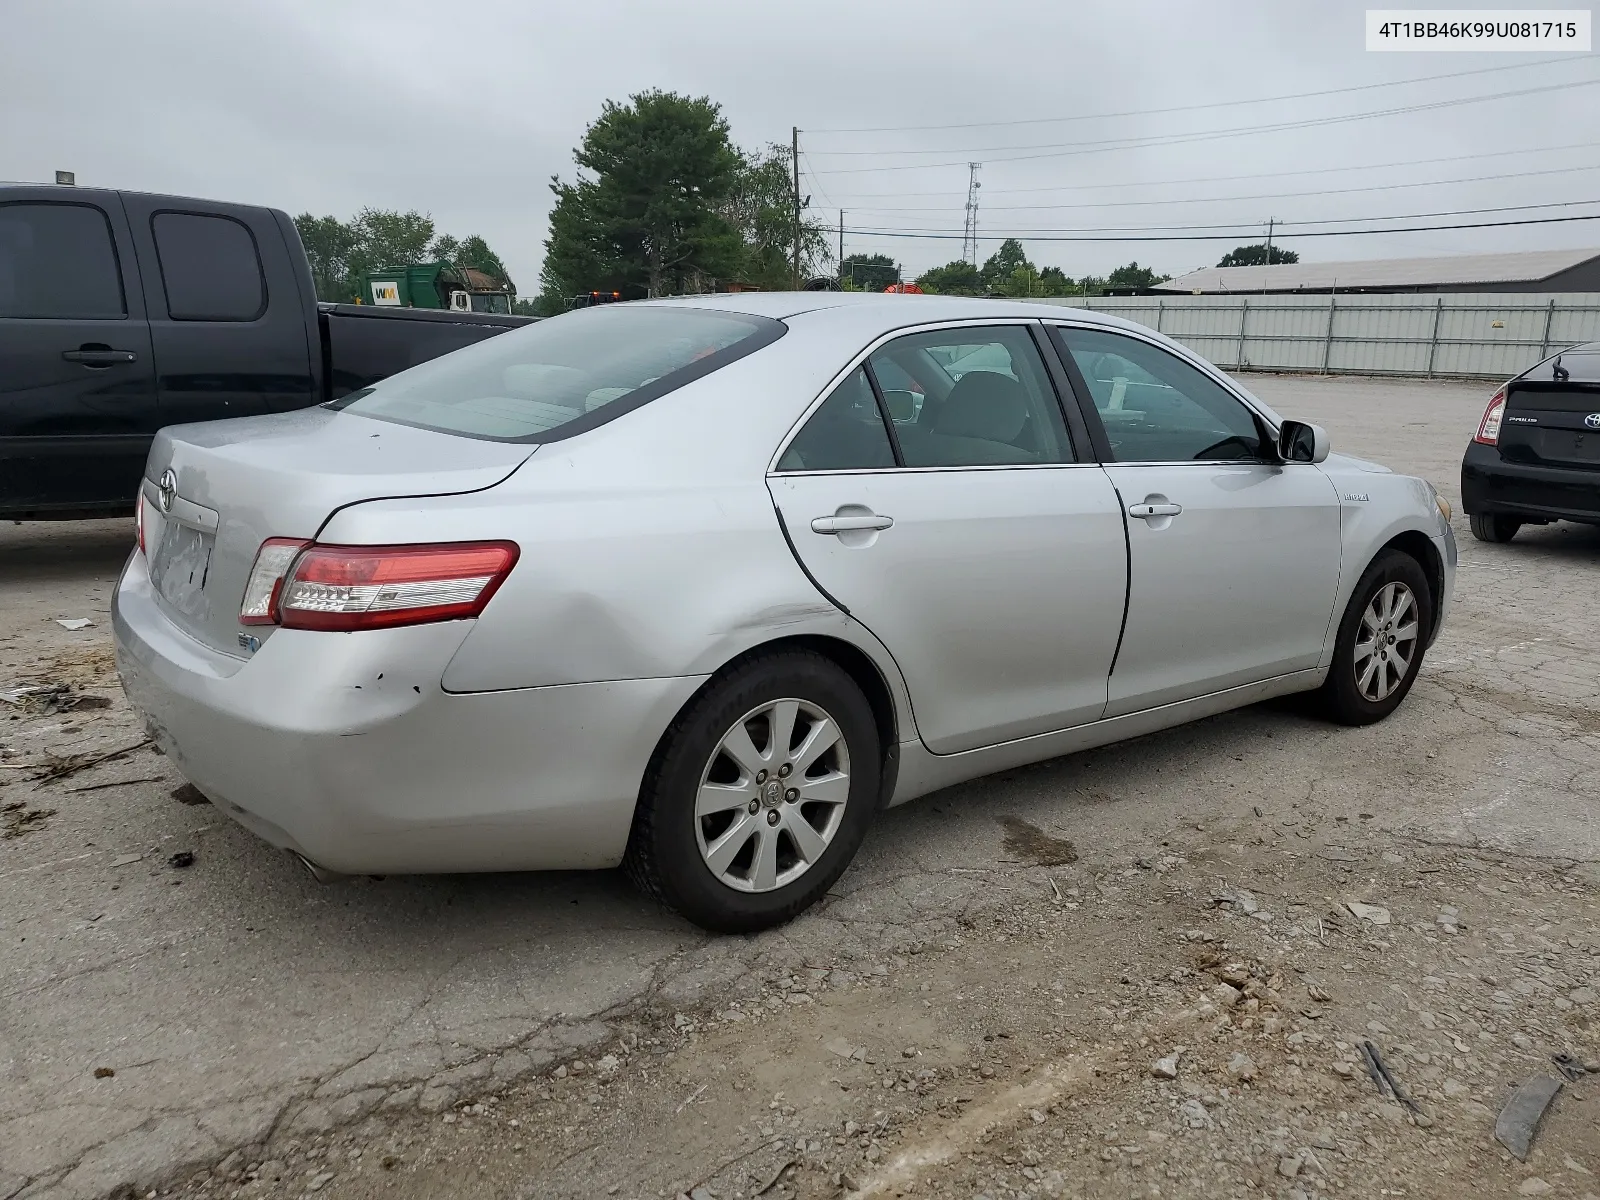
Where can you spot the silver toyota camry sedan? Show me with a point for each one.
(697, 586)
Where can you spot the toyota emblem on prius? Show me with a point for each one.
(1592, 420)
(167, 490)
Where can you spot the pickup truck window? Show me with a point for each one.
(58, 261)
(565, 375)
(210, 268)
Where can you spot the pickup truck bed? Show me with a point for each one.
(122, 312)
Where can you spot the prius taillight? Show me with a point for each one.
(301, 585)
(1489, 428)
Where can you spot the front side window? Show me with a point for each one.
(57, 261)
(971, 396)
(1157, 408)
(209, 267)
(564, 375)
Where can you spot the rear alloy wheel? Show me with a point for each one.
(1487, 527)
(760, 795)
(1381, 641)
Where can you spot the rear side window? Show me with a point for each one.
(209, 267)
(58, 261)
(971, 397)
(846, 433)
(564, 375)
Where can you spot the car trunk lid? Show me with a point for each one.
(1552, 423)
(233, 484)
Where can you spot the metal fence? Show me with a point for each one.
(1485, 334)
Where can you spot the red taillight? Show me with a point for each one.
(1489, 428)
(138, 518)
(371, 587)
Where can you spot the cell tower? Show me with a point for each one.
(969, 234)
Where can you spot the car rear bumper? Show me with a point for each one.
(1493, 486)
(345, 749)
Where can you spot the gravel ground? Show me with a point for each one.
(958, 1020)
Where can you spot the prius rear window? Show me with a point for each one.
(565, 375)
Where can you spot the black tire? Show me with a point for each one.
(1340, 698)
(1487, 527)
(664, 857)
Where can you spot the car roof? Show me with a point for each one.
(888, 309)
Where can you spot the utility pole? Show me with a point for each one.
(969, 234)
(841, 247)
(794, 159)
(1271, 221)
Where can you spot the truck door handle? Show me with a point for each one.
(847, 523)
(1148, 510)
(99, 356)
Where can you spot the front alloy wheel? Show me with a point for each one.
(1386, 642)
(1381, 640)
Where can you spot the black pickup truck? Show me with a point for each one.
(122, 312)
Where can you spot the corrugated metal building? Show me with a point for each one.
(1527, 271)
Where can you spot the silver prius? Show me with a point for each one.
(697, 586)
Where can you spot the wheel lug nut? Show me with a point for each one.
(761, 776)
(772, 817)
(785, 769)
(754, 805)
(792, 795)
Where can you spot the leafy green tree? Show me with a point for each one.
(1004, 263)
(391, 239)
(868, 272)
(1091, 285)
(649, 214)
(1053, 281)
(760, 207)
(341, 253)
(1256, 256)
(959, 278)
(1134, 276)
(329, 244)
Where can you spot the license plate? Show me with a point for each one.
(182, 561)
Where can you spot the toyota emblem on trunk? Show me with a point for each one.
(167, 490)
(1592, 420)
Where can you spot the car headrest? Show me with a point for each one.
(984, 404)
(546, 382)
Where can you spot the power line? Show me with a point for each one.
(1141, 183)
(1068, 149)
(1151, 112)
(1228, 237)
(811, 175)
(1377, 187)
(1236, 226)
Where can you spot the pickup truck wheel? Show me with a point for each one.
(1487, 527)
(759, 795)
(1381, 642)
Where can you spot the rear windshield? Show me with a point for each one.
(1542, 389)
(565, 375)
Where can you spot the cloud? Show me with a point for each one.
(466, 111)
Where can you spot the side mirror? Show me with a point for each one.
(1300, 442)
(902, 405)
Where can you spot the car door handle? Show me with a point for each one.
(99, 358)
(846, 524)
(1154, 510)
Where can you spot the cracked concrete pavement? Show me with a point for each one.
(236, 996)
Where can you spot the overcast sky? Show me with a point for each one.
(466, 110)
